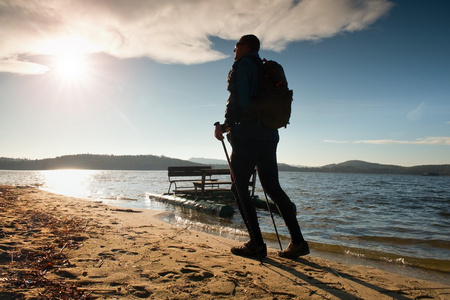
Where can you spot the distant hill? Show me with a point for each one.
(219, 163)
(95, 162)
(208, 161)
(358, 166)
(152, 162)
(362, 166)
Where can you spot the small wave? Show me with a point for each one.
(119, 198)
(425, 263)
(397, 261)
(223, 231)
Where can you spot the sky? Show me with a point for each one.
(371, 79)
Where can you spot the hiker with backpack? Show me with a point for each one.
(254, 145)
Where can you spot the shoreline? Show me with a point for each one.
(398, 268)
(133, 253)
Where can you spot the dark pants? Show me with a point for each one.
(247, 154)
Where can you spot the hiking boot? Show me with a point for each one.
(294, 251)
(249, 250)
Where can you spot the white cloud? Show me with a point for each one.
(176, 31)
(21, 67)
(433, 140)
(337, 142)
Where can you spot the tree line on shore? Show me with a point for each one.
(95, 162)
(153, 162)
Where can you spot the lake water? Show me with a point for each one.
(394, 219)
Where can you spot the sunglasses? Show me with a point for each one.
(239, 44)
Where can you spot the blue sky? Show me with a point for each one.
(371, 79)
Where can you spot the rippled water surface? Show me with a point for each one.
(394, 218)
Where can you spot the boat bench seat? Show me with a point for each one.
(185, 174)
(207, 186)
(214, 186)
(210, 183)
(201, 180)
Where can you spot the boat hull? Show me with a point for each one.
(210, 206)
(207, 206)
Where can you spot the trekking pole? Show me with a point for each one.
(271, 215)
(245, 217)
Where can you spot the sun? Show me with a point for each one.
(70, 63)
(71, 66)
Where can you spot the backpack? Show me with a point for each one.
(272, 105)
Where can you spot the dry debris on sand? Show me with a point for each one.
(57, 247)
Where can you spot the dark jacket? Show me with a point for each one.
(242, 84)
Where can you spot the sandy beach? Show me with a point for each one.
(58, 247)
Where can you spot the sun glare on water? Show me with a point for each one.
(68, 182)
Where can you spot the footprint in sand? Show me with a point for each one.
(238, 273)
(139, 291)
(196, 273)
(168, 275)
(106, 255)
(119, 250)
(165, 273)
(183, 248)
(66, 274)
(122, 251)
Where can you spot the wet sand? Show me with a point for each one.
(53, 246)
